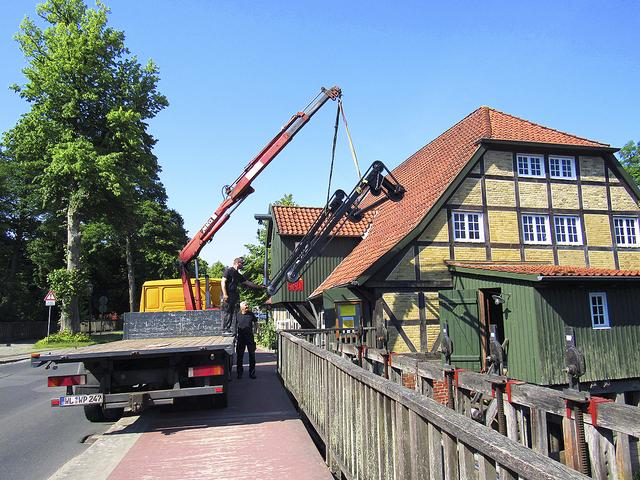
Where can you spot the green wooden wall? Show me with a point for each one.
(610, 354)
(535, 315)
(320, 268)
(519, 313)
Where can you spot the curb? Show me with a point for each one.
(15, 358)
(104, 455)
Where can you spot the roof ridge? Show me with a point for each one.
(547, 128)
(297, 206)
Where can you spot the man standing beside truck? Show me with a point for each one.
(231, 280)
(246, 320)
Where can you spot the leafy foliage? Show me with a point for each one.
(630, 159)
(68, 284)
(216, 269)
(82, 183)
(266, 335)
(66, 336)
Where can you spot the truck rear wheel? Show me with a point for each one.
(97, 414)
(214, 401)
(220, 401)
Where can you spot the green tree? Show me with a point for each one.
(84, 141)
(254, 260)
(216, 269)
(630, 158)
(19, 297)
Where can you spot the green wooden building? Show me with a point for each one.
(289, 224)
(531, 305)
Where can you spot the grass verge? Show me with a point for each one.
(75, 340)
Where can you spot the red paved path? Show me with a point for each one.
(258, 437)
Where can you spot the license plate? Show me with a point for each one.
(73, 400)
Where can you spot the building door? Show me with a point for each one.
(459, 308)
(490, 314)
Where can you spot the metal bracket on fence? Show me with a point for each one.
(592, 408)
(508, 385)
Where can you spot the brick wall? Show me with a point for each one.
(409, 380)
(440, 393)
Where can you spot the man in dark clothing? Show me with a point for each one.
(245, 339)
(231, 281)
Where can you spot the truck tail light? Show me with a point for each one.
(217, 389)
(66, 380)
(206, 370)
(55, 402)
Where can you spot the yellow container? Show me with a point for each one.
(167, 296)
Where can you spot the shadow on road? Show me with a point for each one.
(251, 401)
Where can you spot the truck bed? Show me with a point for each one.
(139, 347)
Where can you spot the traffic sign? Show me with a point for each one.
(50, 299)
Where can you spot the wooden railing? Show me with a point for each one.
(535, 416)
(373, 428)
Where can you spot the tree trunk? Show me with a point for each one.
(70, 319)
(133, 307)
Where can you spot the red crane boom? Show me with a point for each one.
(241, 188)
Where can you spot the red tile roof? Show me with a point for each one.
(296, 221)
(549, 270)
(427, 174)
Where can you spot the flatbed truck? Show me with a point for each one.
(163, 357)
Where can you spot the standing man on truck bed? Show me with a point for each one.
(246, 319)
(231, 280)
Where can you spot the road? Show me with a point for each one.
(35, 439)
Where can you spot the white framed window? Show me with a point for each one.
(535, 229)
(562, 167)
(626, 231)
(467, 227)
(568, 230)
(530, 165)
(599, 310)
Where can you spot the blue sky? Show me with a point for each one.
(235, 71)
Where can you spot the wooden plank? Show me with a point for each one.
(609, 452)
(382, 436)
(623, 450)
(512, 421)
(466, 462)
(450, 449)
(570, 448)
(596, 457)
(414, 448)
(486, 468)
(435, 453)
(361, 420)
(539, 432)
(400, 434)
(430, 370)
(523, 425)
(388, 423)
(491, 413)
(374, 437)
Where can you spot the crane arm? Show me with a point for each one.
(241, 188)
(341, 207)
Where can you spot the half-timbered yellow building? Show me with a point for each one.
(493, 188)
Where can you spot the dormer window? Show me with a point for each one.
(562, 167)
(530, 165)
